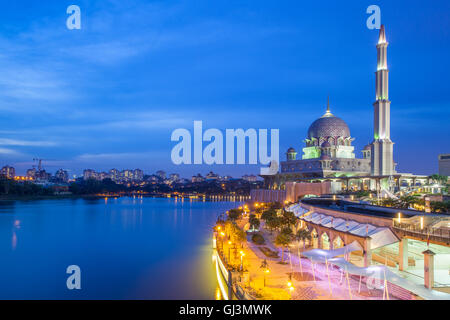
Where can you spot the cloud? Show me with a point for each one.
(6, 151)
(14, 142)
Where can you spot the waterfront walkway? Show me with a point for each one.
(308, 283)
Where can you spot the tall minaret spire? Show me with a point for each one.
(382, 146)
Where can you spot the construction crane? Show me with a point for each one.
(39, 163)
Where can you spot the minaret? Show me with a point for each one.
(382, 158)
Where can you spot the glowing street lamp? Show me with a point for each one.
(290, 287)
(242, 259)
(229, 251)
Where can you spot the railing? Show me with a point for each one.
(426, 232)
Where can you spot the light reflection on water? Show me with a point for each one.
(126, 248)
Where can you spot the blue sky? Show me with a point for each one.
(110, 94)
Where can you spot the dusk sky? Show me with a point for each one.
(110, 95)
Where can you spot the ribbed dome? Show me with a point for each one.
(291, 150)
(328, 126)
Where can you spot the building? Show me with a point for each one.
(31, 173)
(114, 174)
(8, 171)
(128, 175)
(250, 178)
(444, 164)
(62, 176)
(197, 178)
(89, 174)
(161, 174)
(103, 175)
(212, 176)
(174, 177)
(138, 175)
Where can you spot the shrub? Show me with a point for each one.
(258, 239)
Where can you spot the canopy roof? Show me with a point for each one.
(376, 272)
(380, 236)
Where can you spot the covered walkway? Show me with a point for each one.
(379, 273)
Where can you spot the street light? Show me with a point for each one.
(290, 287)
(242, 259)
(265, 267)
(222, 235)
(229, 251)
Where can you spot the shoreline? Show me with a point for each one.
(44, 197)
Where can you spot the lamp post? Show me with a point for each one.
(229, 251)
(265, 267)
(242, 259)
(222, 235)
(290, 287)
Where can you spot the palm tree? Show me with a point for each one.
(283, 240)
(303, 235)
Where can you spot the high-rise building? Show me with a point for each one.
(444, 164)
(382, 148)
(62, 175)
(127, 174)
(161, 174)
(31, 173)
(89, 174)
(114, 174)
(8, 172)
(197, 178)
(138, 175)
(174, 177)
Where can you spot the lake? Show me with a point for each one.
(126, 248)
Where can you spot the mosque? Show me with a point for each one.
(328, 161)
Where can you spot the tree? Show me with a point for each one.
(440, 179)
(273, 223)
(234, 214)
(287, 231)
(268, 214)
(283, 240)
(407, 201)
(254, 222)
(239, 235)
(276, 205)
(303, 235)
(288, 219)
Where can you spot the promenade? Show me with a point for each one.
(289, 280)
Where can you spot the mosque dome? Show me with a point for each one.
(326, 144)
(367, 147)
(328, 126)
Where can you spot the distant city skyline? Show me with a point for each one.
(109, 95)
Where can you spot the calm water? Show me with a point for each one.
(126, 248)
